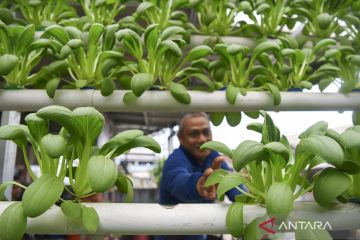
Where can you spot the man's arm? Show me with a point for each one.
(210, 192)
(180, 181)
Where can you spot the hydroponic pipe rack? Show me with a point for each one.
(32, 100)
(154, 219)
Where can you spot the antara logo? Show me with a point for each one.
(305, 225)
(269, 226)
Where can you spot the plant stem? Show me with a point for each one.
(27, 163)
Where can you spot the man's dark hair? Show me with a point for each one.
(187, 115)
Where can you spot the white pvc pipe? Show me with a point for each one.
(154, 219)
(32, 100)
(196, 40)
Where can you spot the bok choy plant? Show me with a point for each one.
(20, 54)
(56, 153)
(91, 63)
(163, 64)
(321, 18)
(348, 62)
(103, 12)
(296, 66)
(238, 69)
(275, 175)
(239, 73)
(43, 13)
(267, 18)
(216, 17)
(344, 179)
(165, 13)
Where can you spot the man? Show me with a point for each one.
(187, 168)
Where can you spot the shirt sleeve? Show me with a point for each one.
(180, 182)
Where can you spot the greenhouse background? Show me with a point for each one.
(100, 84)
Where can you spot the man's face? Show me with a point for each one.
(196, 131)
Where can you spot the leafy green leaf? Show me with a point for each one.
(350, 138)
(256, 127)
(109, 36)
(89, 123)
(235, 220)
(231, 93)
(279, 201)
(198, 52)
(356, 118)
(90, 219)
(217, 117)
(107, 87)
(326, 147)
(229, 182)
(26, 38)
(121, 139)
(51, 87)
(129, 97)
(233, 118)
(323, 43)
(53, 145)
(253, 115)
(324, 20)
(57, 32)
(7, 63)
(15, 133)
(234, 49)
(329, 185)
(253, 231)
(140, 83)
(59, 114)
(147, 142)
(65, 51)
(216, 177)
(178, 91)
(171, 46)
(312, 234)
(205, 79)
(41, 195)
(74, 44)
(124, 185)
(102, 173)
(144, 6)
(274, 90)
(37, 126)
(265, 46)
(171, 31)
(71, 209)
(218, 146)
(270, 133)
(151, 37)
(13, 222)
(263, 7)
(246, 152)
(318, 128)
(277, 148)
(95, 33)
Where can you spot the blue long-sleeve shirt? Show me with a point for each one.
(178, 184)
(179, 177)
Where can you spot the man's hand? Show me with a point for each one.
(209, 193)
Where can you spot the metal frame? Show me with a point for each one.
(8, 151)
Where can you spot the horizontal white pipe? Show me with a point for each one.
(196, 40)
(153, 219)
(162, 101)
